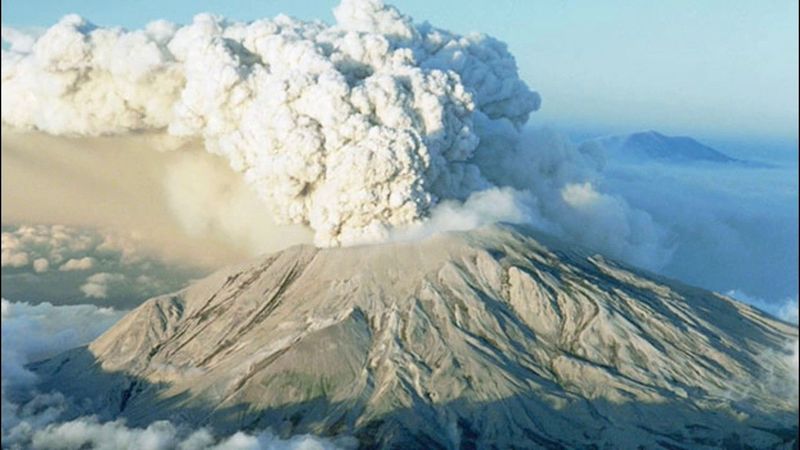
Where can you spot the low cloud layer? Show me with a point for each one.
(33, 420)
(730, 226)
(68, 265)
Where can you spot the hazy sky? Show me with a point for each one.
(712, 68)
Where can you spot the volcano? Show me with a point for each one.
(654, 146)
(499, 337)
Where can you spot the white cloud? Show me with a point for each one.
(55, 244)
(41, 265)
(12, 258)
(84, 263)
(357, 135)
(208, 199)
(18, 40)
(97, 285)
(580, 195)
(31, 332)
(346, 132)
(95, 263)
(88, 432)
(360, 136)
(481, 208)
(559, 183)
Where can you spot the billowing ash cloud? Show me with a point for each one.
(35, 420)
(548, 182)
(350, 128)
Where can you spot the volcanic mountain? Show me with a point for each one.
(654, 146)
(493, 338)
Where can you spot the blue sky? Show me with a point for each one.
(712, 69)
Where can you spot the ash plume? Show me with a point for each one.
(362, 130)
(349, 128)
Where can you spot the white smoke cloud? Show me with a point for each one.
(481, 208)
(185, 205)
(208, 200)
(550, 183)
(349, 128)
(361, 130)
(558, 181)
(33, 332)
(18, 41)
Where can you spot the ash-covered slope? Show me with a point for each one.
(493, 338)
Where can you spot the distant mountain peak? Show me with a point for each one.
(656, 146)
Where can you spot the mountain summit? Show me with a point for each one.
(492, 338)
(652, 145)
